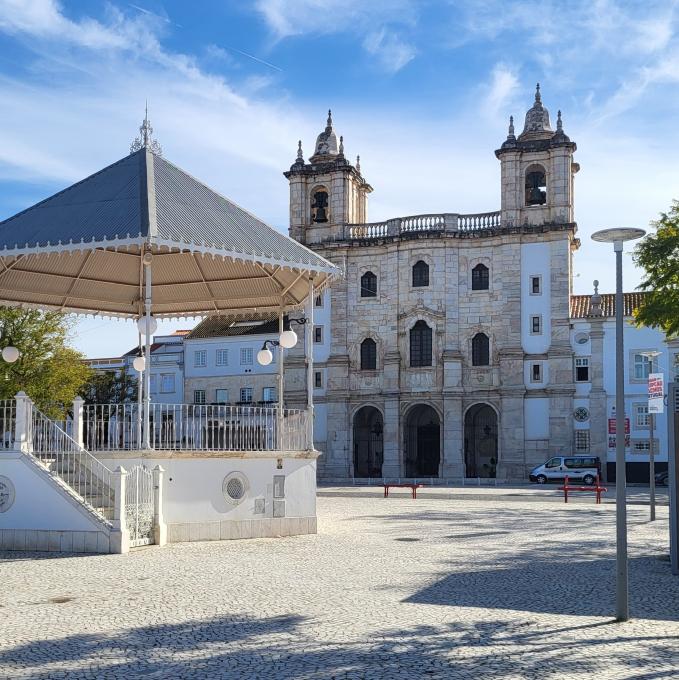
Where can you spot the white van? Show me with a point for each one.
(556, 469)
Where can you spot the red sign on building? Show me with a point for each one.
(612, 425)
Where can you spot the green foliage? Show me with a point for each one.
(48, 370)
(110, 388)
(658, 255)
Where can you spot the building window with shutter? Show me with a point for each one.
(222, 396)
(368, 285)
(198, 396)
(420, 345)
(368, 355)
(269, 394)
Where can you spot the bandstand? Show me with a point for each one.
(143, 240)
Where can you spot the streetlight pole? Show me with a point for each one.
(651, 453)
(617, 237)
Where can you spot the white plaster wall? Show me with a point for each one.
(536, 261)
(192, 487)
(38, 504)
(320, 422)
(536, 418)
(322, 317)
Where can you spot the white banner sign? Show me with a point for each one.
(656, 389)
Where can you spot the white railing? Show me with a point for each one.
(68, 461)
(452, 222)
(195, 427)
(7, 422)
(479, 221)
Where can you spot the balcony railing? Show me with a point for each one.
(449, 222)
(195, 427)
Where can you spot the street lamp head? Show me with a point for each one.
(139, 364)
(288, 339)
(10, 354)
(651, 353)
(264, 356)
(147, 328)
(617, 235)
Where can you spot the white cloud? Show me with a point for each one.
(393, 53)
(371, 20)
(499, 92)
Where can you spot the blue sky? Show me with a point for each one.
(422, 90)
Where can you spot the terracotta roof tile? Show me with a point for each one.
(580, 304)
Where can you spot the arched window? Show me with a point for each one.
(480, 350)
(420, 344)
(319, 206)
(368, 355)
(480, 277)
(420, 274)
(536, 185)
(368, 285)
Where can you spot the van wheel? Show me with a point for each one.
(541, 479)
(588, 479)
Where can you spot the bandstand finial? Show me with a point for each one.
(145, 140)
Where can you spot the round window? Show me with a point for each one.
(581, 414)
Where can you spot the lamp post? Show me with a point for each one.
(617, 237)
(651, 356)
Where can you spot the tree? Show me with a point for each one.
(49, 371)
(658, 255)
(110, 387)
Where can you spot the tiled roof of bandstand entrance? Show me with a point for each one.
(581, 304)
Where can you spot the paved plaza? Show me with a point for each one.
(390, 588)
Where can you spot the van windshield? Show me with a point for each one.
(553, 462)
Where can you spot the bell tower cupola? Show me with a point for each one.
(326, 193)
(537, 171)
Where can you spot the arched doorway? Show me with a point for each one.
(368, 442)
(480, 441)
(422, 442)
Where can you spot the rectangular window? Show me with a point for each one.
(198, 396)
(245, 357)
(222, 396)
(642, 446)
(582, 369)
(153, 383)
(222, 357)
(318, 302)
(269, 394)
(536, 373)
(582, 441)
(536, 285)
(642, 366)
(640, 415)
(246, 395)
(167, 382)
(536, 324)
(318, 334)
(318, 379)
(200, 358)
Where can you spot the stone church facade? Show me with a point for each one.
(447, 348)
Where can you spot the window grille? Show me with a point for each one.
(582, 369)
(582, 441)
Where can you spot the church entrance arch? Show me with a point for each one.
(422, 442)
(480, 441)
(368, 442)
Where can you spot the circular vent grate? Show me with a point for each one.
(235, 487)
(581, 414)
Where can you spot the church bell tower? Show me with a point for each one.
(326, 193)
(537, 171)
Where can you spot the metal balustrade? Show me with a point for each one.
(68, 461)
(7, 422)
(452, 222)
(195, 427)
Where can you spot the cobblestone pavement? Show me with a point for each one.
(389, 588)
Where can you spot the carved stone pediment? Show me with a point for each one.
(420, 309)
